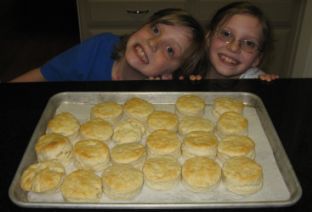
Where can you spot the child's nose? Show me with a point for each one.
(154, 43)
(234, 46)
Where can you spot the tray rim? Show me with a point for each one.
(295, 195)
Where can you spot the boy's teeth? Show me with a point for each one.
(141, 54)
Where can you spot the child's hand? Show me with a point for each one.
(192, 77)
(268, 77)
(195, 77)
(162, 77)
(170, 77)
(153, 78)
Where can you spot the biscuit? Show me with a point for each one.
(242, 175)
(201, 174)
(138, 108)
(162, 173)
(226, 104)
(190, 105)
(122, 182)
(109, 111)
(64, 123)
(233, 146)
(190, 124)
(82, 186)
(200, 143)
(162, 120)
(91, 154)
(43, 177)
(54, 146)
(231, 123)
(129, 153)
(96, 129)
(163, 142)
(128, 131)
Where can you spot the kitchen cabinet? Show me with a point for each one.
(125, 16)
(118, 16)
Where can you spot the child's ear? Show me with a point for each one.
(207, 37)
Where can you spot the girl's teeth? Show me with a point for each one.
(229, 60)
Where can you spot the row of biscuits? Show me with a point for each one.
(198, 140)
(160, 142)
(189, 108)
(240, 175)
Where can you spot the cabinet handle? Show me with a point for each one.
(138, 11)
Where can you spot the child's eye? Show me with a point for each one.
(249, 45)
(170, 51)
(226, 34)
(155, 29)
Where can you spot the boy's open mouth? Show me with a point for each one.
(141, 54)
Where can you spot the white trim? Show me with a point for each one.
(307, 71)
(303, 61)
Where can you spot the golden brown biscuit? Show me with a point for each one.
(96, 129)
(190, 105)
(162, 120)
(200, 143)
(122, 182)
(54, 146)
(236, 145)
(43, 177)
(128, 131)
(91, 154)
(201, 174)
(163, 142)
(231, 123)
(82, 186)
(129, 153)
(109, 111)
(64, 123)
(162, 173)
(138, 108)
(190, 124)
(242, 175)
(226, 104)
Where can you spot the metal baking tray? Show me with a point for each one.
(282, 188)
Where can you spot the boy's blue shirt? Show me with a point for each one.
(89, 61)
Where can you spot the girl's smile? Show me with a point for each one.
(230, 48)
(228, 60)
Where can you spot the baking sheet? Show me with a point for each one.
(280, 188)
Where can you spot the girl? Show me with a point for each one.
(238, 37)
(169, 42)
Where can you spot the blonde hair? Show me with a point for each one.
(176, 17)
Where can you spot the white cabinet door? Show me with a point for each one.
(118, 16)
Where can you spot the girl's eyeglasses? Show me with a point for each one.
(246, 45)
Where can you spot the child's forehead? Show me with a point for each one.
(179, 28)
(244, 25)
(168, 23)
(239, 16)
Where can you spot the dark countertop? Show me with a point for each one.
(288, 102)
